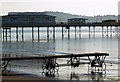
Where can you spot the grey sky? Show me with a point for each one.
(79, 7)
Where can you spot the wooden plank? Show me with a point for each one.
(55, 56)
(52, 52)
(77, 55)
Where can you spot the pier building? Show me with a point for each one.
(77, 21)
(119, 11)
(27, 18)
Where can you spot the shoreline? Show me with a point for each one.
(24, 76)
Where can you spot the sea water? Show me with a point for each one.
(79, 44)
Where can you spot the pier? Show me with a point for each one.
(6, 30)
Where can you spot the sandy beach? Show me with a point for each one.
(30, 70)
(15, 76)
(21, 77)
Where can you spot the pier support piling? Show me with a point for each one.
(53, 32)
(89, 31)
(111, 31)
(32, 34)
(94, 31)
(22, 34)
(68, 32)
(75, 32)
(107, 31)
(38, 34)
(17, 34)
(10, 34)
(79, 31)
(62, 33)
(3, 34)
(6, 34)
(48, 33)
(102, 31)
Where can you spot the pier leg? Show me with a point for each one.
(54, 33)
(117, 31)
(10, 34)
(102, 31)
(6, 33)
(22, 34)
(17, 34)
(48, 33)
(62, 33)
(75, 32)
(111, 31)
(3, 34)
(32, 34)
(107, 31)
(80, 31)
(38, 35)
(94, 31)
(89, 31)
(68, 33)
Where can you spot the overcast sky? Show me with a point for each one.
(79, 7)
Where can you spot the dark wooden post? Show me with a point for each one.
(17, 34)
(62, 33)
(107, 31)
(94, 30)
(111, 31)
(89, 31)
(75, 32)
(22, 34)
(68, 32)
(38, 35)
(6, 34)
(80, 31)
(3, 34)
(53, 32)
(102, 31)
(48, 33)
(32, 34)
(10, 34)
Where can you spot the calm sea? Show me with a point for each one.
(85, 44)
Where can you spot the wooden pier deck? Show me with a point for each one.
(61, 25)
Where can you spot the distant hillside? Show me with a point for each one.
(63, 17)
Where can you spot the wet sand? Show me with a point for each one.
(27, 72)
(23, 77)
(15, 76)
